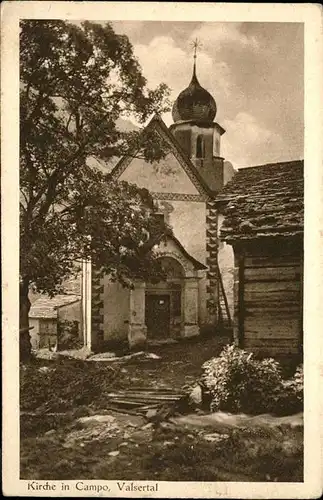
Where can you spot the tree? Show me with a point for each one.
(76, 82)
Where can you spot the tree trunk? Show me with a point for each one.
(24, 307)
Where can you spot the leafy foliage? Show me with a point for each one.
(68, 335)
(76, 82)
(240, 383)
(291, 393)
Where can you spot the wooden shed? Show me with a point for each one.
(46, 313)
(263, 221)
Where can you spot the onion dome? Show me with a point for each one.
(194, 103)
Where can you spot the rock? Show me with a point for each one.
(101, 356)
(96, 419)
(92, 430)
(151, 414)
(51, 432)
(44, 369)
(68, 444)
(168, 443)
(195, 396)
(147, 426)
(151, 355)
(126, 435)
(215, 437)
(125, 443)
(114, 453)
(111, 357)
(46, 354)
(167, 425)
(83, 353)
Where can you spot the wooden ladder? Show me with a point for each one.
(225, 320)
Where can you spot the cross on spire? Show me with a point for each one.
(196, 44)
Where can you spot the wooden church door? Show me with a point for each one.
(158, 315)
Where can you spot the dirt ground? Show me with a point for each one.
(179, 364)
(76, 436)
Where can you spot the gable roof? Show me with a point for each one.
(156, 123)
(46, 308)
(196, 263)
(164, 232)
(263, 201)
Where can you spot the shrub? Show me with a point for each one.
(240, 383)
(289, 399)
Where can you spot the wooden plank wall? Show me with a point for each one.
(270, 303)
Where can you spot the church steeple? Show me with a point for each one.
(194, 128)
(194, 102)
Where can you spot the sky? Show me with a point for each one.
(253, 70)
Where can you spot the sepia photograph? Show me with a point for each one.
(161, 253)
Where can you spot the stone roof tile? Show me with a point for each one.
(263, 201)
(46, 308)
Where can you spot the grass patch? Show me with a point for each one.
(247, 455)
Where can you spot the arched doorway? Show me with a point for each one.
(164, 302)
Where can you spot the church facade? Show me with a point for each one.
(184, 186)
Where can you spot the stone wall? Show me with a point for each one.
(211, 262)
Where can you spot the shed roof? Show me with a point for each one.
(263, 201)
(46, 308)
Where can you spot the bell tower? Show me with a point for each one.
(196, 131)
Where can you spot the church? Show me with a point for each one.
(233, 260)
(194, 297)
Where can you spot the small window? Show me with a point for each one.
(159, 217)
(200, 149)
